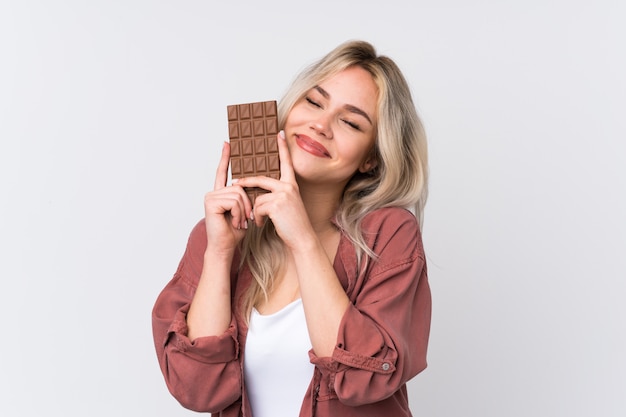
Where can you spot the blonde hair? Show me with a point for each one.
(399, 178)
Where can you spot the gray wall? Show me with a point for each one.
(111, 118)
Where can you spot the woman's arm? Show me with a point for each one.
(226, 213)
(383, 337)
(323, 297)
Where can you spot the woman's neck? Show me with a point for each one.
(321, 206)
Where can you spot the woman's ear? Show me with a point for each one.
(369, 164)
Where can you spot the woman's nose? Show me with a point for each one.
(322, 126)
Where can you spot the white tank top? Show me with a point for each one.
(277, 369)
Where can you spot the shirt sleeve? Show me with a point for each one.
(203, 375)
(383, 337)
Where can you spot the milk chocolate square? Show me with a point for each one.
(252, 130)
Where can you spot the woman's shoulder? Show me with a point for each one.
(390, 218)
(394, 229)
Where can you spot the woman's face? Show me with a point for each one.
(332, 129)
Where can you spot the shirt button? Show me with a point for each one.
(386, 366)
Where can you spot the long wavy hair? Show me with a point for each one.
(399, 178)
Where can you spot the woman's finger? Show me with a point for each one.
(222, 169)
(286, 167)
(229, 204)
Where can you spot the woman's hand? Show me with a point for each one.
(226, 210)
(283, 204)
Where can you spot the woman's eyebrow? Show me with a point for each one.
(323, 92)
(349, 107)
(356, 110)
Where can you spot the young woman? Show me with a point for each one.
(314, 301)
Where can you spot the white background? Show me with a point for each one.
(112, 115)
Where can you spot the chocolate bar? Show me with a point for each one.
(252, 130)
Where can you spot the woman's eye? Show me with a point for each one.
(352, 124)
(316, 104)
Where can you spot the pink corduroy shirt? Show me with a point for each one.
(381, 343)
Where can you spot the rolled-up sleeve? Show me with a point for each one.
(203, 375)
(383, 337)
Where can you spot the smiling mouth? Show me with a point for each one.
(311, 146)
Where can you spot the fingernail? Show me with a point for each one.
(252, 215)
(245, 224)
(234, 181)
(281, 134)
